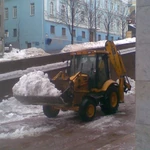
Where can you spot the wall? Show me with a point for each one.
(143, 75)
(1, 28)
(2, 15)
(59, 41)
(35, 29)
(29, 27)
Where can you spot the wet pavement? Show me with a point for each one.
(68, 132)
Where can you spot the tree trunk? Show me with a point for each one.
(72, 26)
(107, 38)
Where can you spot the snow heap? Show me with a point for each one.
(35, 84)
(88, 45)
(132, 83)
(24, 53)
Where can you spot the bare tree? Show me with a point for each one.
(123, 19)
(109, 15)
(68, 14)
(92, 10)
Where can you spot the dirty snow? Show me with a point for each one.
(132, 83)
(103, 123)
(12, 110)
(24, 53)
(86, 45)
(35, 84)
(25, 131)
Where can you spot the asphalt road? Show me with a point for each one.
(68, 132)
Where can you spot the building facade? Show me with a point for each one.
(1, 27)
(44, 23)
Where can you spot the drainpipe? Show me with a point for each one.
(95, 22)
(43, 41)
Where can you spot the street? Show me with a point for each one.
(68, 132)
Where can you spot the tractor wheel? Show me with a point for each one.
(50, 111)
(87, 110)
(111, 102)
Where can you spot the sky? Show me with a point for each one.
(32, 81)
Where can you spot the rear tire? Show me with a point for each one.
(111, 102)
(50, 111)
(87, 110)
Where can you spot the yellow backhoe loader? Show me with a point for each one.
(87, 84)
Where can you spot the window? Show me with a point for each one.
(63, 31)
(99, 20)
(106, 37)
(14, 32)
(6, 13)
(112, 38)
(99, 37)
(51, 8)
(82, 16)
(32, 9)
(118, 25)
(6, 33)
(118, 8)
(112, 26)
(53, 29)
(15, 12)
(112, 6)
(83, 34)
(63, 12)
(74, 33)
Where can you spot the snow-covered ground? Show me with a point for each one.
(11, 111)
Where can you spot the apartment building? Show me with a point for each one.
(32, 23)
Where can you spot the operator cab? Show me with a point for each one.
(95, 65)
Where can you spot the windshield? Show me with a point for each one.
(84, 64)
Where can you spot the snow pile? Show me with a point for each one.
(125, 41)
(24, 53)
(35, 84)
(88, 45)
(132, 83)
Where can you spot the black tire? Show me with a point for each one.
(111, 101)
(50, 111)
(87, 110)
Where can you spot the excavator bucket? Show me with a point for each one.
(62, 85)
(40, 100)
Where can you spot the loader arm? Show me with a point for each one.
(118, 65)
